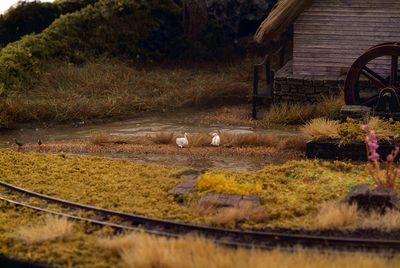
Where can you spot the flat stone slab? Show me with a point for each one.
(357, 112)
(229, 200)
(188, 185)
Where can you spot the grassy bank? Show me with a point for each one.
(291, 193)
(300, 113)
(105, 89)
(98, 248)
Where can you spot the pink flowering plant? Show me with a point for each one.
(385, 178)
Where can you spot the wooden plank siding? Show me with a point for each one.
(332, 34)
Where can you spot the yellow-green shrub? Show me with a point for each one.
(220, 184)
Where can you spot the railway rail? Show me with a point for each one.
(230, 237)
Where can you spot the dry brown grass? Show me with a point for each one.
(321, 128)
(139, 250)
(162, 138)
(300, 113)
(253, 139)
(229, 217)
(297, 143)
(199, 139)
(103, 139)
(390, 221)
(204, 140)
(52, 228)
(380, 128)
(337, 216)
(286, 113)
(344, 216)
(232, 217)
(112, 88)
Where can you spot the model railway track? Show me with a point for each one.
(236, 238)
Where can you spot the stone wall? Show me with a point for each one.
(300, 88)
(289, 87)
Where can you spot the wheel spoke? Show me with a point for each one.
(370, 101)
(393, 74)
(375, 78)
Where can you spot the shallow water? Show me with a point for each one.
(128, 128)
(150, 126)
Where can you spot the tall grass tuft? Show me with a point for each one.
(337, 216)
(232, 217)
(321, 128)
(300, 113)
(162, 138)
(52, 228)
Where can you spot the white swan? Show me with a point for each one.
(216, 140)
(182, 142)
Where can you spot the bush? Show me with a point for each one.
(109, 28)
(34, 17)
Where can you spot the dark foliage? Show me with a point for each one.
(34, 17)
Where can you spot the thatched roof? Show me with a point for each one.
(281, 16)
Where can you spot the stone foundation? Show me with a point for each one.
(289, 87)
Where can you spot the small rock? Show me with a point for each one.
(378, 199)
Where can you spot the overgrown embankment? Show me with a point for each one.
(28, 17)
(109, 88)
(107, 28)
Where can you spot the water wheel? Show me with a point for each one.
(386, 56)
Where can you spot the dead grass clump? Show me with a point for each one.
(380, 127)
(300, 113)
(140, 250)
(296, 143)
(321, 128)
(101, 139)
(202, 209)
(344, 216)
(390, 221)
(52, 228)
(337, 216)
(253, 139)
(231, 217)
(329, 106)
(289, 113)
(162, 138)
(199, 139)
